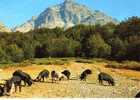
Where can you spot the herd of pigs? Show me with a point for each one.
(15, 82)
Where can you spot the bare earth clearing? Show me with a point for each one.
(127, 82)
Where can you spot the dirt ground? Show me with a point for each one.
(127, 82)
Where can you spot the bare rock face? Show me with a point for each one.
(65, 15)
(3, 28)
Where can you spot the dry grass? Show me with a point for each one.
(125, 86)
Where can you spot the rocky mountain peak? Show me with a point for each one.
(65, 15)
(68, 1)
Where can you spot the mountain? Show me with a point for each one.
(3, 28)
(65, 15)
(29, 25)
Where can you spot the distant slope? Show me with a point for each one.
(3, 28)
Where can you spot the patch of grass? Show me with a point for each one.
(83, 61)
(3, 65)
(100, 60)
(133, 65)
(22, 64)
(49, 61)
(94, 60)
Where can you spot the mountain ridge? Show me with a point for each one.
(66, 15)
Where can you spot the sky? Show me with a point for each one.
(16, 12)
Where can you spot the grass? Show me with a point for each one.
(133, 65)
(49, 61)
(23, 64)
(62, 61)
(83, 61)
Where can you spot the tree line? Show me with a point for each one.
(110, 41)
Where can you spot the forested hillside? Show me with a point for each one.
(119, 42)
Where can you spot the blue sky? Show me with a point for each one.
(16, 12)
